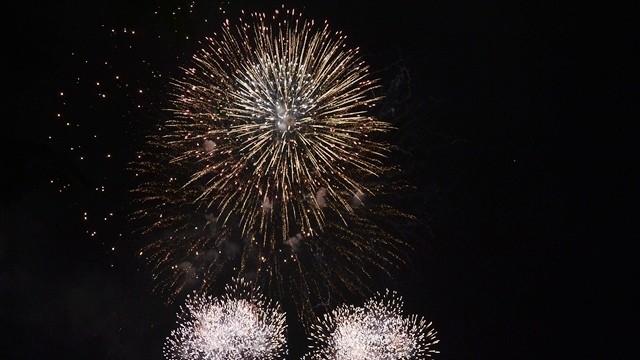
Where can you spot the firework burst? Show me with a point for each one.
(378, 330)
(271, 165)
(242, 324)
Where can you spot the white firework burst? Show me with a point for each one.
(378, 330)
(242, 324)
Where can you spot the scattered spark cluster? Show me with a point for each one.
(378, 330)
(89, 113)
(241, 324)
(271, 166)
(113, 89)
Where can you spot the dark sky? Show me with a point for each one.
(500, 134)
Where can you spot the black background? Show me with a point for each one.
(514, 136)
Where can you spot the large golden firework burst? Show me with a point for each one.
(271, 166)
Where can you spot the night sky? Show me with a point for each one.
(497, 132)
